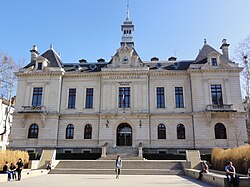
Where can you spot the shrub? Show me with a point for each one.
(13, 156)
(240, 157)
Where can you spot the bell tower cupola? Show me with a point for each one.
(127, 29)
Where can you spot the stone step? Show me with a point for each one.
(126, 153)
(126, 164)
(129, 167)
(123, 171)
(113, 157)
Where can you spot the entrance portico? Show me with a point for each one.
(124, 135)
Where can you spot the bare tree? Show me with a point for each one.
(237, 134)
(7, 84)
(7, 77)
(242, 53)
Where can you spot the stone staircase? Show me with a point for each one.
(129, 167)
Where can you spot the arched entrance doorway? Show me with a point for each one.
(124, 135)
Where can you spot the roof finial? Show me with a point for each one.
(51, 46)
(205, 41)
(127, 10)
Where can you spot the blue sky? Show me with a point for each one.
(90, 29)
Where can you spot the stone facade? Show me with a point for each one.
(198, 94)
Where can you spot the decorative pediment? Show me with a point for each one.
(126, 56)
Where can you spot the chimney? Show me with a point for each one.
(172, 58)
(224, 48)
(34, 53)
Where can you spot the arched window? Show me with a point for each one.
(220, 131)
(33, 131)
(161, 131)
(181, 131)
(88, 131)
(70, 131)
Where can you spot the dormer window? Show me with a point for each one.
(214, 62)
(39, 66)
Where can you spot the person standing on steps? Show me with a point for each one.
(19, 168)
(118, 166)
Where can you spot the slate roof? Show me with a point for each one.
(85, 67)
(51, 56)
(55, 61)
(179, 65)
(205, 51)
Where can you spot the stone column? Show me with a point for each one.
(140, 151)
(104, 151)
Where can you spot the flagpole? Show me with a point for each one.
(123, 100)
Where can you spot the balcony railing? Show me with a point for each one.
(220, 108)
(33, 109)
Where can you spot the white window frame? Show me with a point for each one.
(64, 150)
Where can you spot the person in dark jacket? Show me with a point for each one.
(232, 177)
(13, 171)
(118, 166)
(5, 169)
(19, 168)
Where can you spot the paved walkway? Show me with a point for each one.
(68, 180)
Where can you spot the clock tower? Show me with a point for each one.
(126, 56)
(127, 29)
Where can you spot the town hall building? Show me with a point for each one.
(161, 105)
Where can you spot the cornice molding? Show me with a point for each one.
(214, 70)
(52, 73)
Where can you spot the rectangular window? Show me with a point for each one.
(160, 97)
(72, 98)
(37, 96)
(67, 151)
(216, 93)
(214, 62)
(124, 97)
(39, 65)
(179, 97)
(89, 97)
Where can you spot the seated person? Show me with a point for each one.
(49, 166)
(5, 169)
(232, 177)
(204, 169)
(13, 171)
